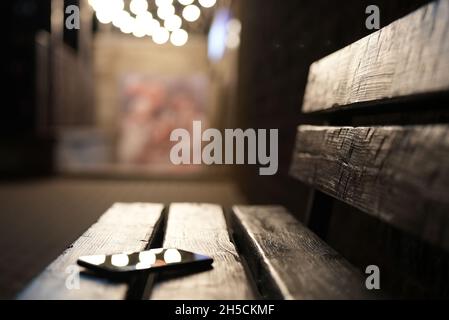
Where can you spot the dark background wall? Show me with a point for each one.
(21, 151)
(25, 150)
(280, 39)
(22, 18)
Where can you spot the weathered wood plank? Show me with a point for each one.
(202, 228)
(291, 261)
(398, 174)
(124, 227)
(408, 57)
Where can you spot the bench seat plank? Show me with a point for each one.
(289, 260)
(124, 227)
(202, 228)
(397, 174)
(408, 57)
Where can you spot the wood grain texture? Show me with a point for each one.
(123, 228)
(408, 57)
(397, 174)
(291, 261)
(202, 228)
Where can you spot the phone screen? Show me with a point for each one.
(154, 259)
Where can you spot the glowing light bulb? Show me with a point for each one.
(120, 18)
(163, 3)
(207, 3)
(127, 23)
(139, 31)
(138, 6)
(161, 35)
(233, 41)
(173, 23)
(165, 11)
(144, 25)
(234, 26)
(155, 25)
(179, 37)
(186, 2)
(191, 13)
(107, 11)
(104, 18)
(146, 15)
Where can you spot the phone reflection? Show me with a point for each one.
(153, 259)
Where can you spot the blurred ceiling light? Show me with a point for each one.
(106, 10)
(161, 35)
(165, 11)
(217, 39)
(144, 25)
(186, 2)
(163, 3)
(127, 26)
(207, 3)
(92, 3)
(233, 41)
(104, 5)
(120, 18)
(152, 26)
(234, 26)
(103, 17)
(173, 23)
(179, 37)
(145, 15)
(139, 33)
(191, 13)
(140, 29)
(138, 6)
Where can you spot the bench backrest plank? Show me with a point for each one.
(398, 174)
(202, 228)
(291, 262)
(124, 227)
(408, 57)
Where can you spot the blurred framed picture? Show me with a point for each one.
(151, 108)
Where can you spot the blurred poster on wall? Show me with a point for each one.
(151, 108)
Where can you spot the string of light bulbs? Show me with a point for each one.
(140, 22)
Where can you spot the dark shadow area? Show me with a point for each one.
(411, 269)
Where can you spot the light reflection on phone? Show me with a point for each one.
(154, 259)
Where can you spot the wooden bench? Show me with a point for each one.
(279, 258)
(379, 145)
(397, 174)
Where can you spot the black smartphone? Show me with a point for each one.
(144, 261)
